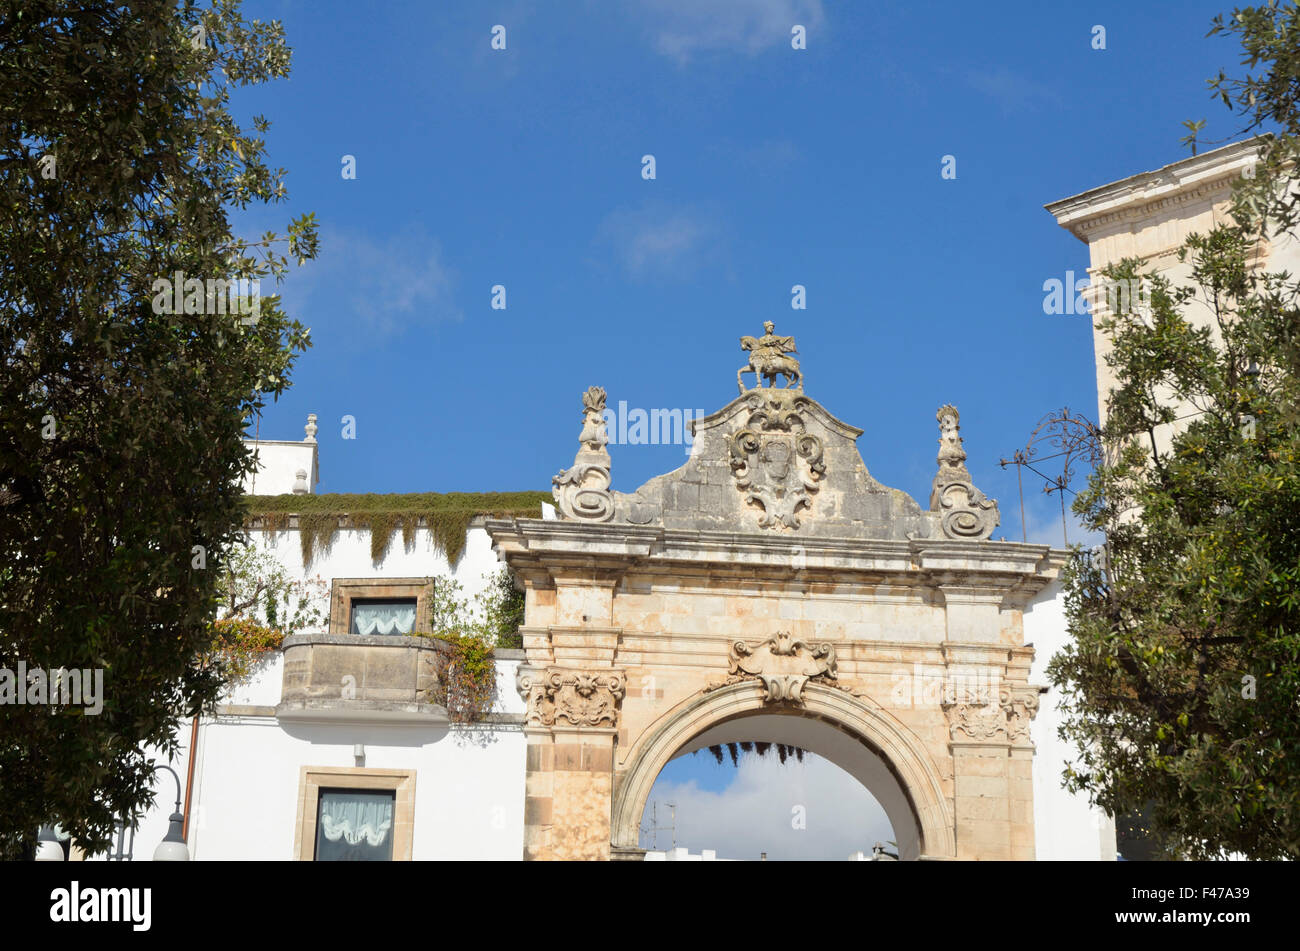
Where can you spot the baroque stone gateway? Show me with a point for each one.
(771, 589)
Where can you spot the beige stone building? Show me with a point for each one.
(1148, 216)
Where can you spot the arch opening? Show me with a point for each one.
(839, 799)
(847, 731)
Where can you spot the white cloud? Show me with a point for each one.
(767, 157)
(656, 241)
(1012, 91)
(386, 285)
(755, 813)
(681, 29)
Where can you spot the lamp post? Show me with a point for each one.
(173, 848)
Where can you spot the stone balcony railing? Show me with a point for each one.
(348, 677)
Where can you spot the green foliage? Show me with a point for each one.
(121, 423)
(1182, 682)
(473, 630)
(260, 604)
(468, 678)
(446, 514)
(783, 751)
(503, 605)
(254, 584)
(238, 643)
(1268, 100)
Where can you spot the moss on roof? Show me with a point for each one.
(446, 514)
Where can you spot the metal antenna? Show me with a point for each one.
(1077, 438)
(654, 828)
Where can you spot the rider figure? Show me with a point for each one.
(770, 345)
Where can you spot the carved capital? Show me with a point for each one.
(1020, 704)
(782, 663)
(579, 697)
(1005, 719)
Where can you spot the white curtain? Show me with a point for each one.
(355, 818)
(383, 618)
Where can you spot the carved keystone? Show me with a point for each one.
(782, 663)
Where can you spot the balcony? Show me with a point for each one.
(331, 678)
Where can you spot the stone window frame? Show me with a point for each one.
(344, 590)
(400, 782)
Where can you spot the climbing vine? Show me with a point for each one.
(447, 515)
(472, 628)
(238, 643)
(468, 678)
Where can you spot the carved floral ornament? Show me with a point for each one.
(580, 697)
(1007, 720)
(782, 663)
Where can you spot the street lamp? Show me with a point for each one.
(173, 848)
(48, 848)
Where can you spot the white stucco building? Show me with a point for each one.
(260, 766)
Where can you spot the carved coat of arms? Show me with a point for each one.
(776, 463)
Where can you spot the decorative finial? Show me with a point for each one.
(594, 436)
(310, 428)
(768, 360)
(582, 490)
(966, 512)
(300, 482)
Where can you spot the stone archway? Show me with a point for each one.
(772, 575)
(849, 731)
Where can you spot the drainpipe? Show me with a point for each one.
(189, 778)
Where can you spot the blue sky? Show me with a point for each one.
(774, 167)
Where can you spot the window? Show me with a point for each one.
(354, 803)
(354, 825)
(392, 606)
(382, 616)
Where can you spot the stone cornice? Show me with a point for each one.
(1145, 195)
(615, 548)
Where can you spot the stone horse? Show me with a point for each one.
(768, 360)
